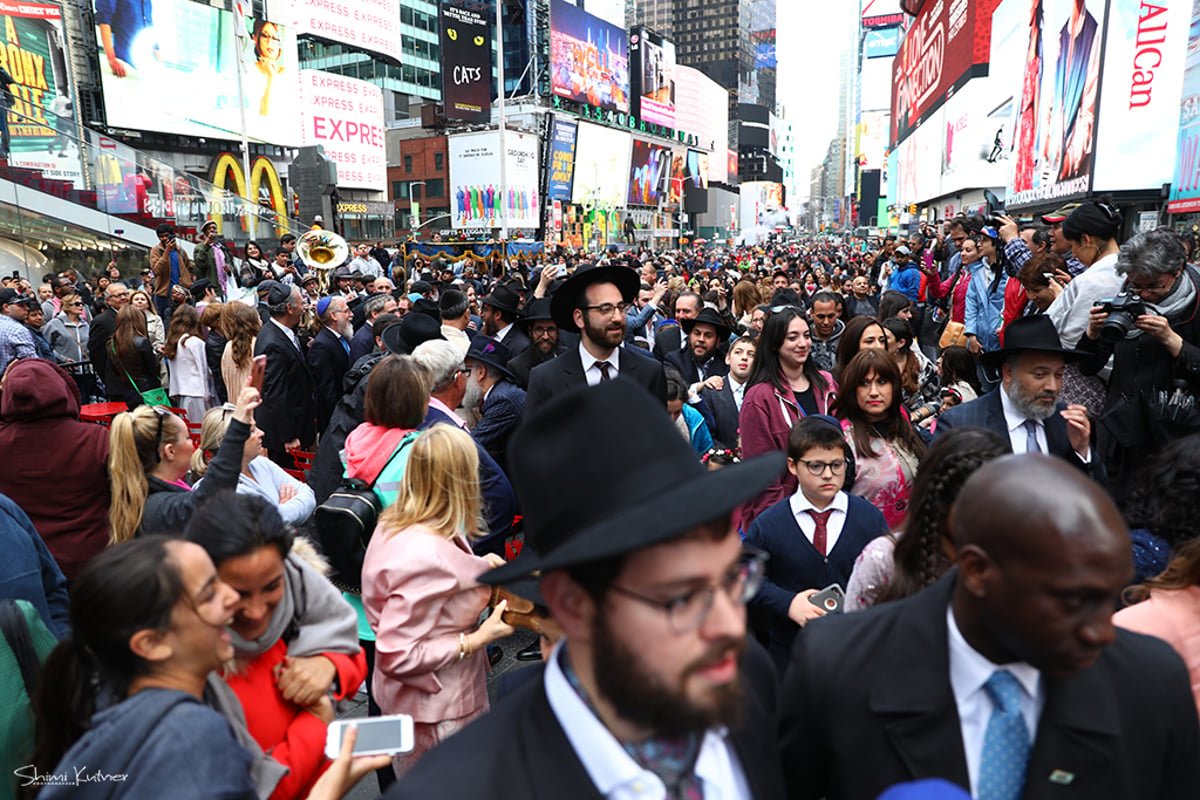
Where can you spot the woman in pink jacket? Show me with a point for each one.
(420, 593)
(784, 386)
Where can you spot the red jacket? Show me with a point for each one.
(765, 422)
(1015, 301)
(289, 734)
(54, 466)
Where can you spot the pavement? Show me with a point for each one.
(356, 707)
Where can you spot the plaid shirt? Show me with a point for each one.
(15, 342)
(1017, 254)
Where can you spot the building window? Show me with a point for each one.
(439, 161)
(399, 190)
(408, 164)
(434, 187)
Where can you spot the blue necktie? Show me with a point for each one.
(1006, 743)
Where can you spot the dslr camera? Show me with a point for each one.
(1123, 311)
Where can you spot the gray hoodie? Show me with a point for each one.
(824, 352)
(67, 339)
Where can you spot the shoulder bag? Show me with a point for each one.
(151, 397)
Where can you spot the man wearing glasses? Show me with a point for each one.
(15, 339)
(116, 297)
(653, 690)
(593, 302)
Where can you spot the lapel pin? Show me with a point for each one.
(1062, 777)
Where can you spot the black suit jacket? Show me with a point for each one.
(288, 409)
(328, 362)
(987, 411)
(867, 703)
(725, 414)
(683, 361)
(520, 366)
(520, 751)
(499, 416)
(101, 330)
(566, 372)
(516, 341)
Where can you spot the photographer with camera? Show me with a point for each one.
(1151, 331)
(171, 267)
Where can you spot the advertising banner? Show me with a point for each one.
(118, 182)
(601, 166)
(697, 169)
(881, 42)
(345, 115)
(1055, 94)
(177, 72)
(1185, 187)
(372, 25)
(476, 197)
(589, 62)
(562, 159)
(649, 170)
(466, 63)
(652, 75)
(35, 57)
(702, 106)
(1144, 58)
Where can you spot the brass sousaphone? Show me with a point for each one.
(321, 249)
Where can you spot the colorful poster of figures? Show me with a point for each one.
(477, 199)
(562, 160)
(648, 174)
(589, 62)
(173, 69)
(1185, 188)
(41, 119)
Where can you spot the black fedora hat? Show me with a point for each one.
(1029, 333)
(503, 297)
(414, 329)
(660, 488)
(487, 350)
(562, 305)
(707, 317)
(538, 310)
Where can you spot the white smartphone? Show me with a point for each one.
(376, 735)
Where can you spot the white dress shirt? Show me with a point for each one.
(590, 369)
(616, 775)
(808, 526)
(291, 334)
(1014, 421)
(739, 391)
(503, 332)
(969, 671)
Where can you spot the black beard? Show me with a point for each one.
(601, 336)
(643, 699)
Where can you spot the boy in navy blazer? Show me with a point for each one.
(814, 536)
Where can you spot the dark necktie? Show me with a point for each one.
(1031, 441)
(822, 520)
(604, 366)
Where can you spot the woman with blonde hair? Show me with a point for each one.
(240, 323)
(149, 453)
(184, 352)
(260, 475)
(132, 364)
(421, 596)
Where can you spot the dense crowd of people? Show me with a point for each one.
(907, 505)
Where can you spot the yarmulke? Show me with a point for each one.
(323, 305)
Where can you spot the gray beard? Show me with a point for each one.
(474, 397)
(1030, 410)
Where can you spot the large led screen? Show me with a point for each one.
(649, 169)
(601, 166)
(345, 116)
(652, 68)
(589, 62)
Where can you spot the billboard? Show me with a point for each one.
(562, 159)
(466, 63)
(177, 73)
(1145, 51)
(372, 25)
(476, 197)
(698, 169)
(871, 138)
(652, 75)
(941, 50)
(345, 115)
(601, 166)
(588, 58)
(36, 59)
(1185, 188)
(649, 170)
(702, 108)
(881, 42)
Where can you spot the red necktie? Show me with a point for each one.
(603, 366)
(822, 520)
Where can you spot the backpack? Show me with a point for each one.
(345, 522)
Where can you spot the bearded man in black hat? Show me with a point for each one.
(701, 359)
(499, 313)
(501, 402)
(1024, 409)
(653, 690)
(593, 303)
(542, 330)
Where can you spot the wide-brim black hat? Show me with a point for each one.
(707, 317)
(488, 351)
(538, 310)
(650, 490)
(566, 298)
(413, 330)
(504, 298)
(1029, 333)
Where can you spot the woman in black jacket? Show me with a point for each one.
(132, 365)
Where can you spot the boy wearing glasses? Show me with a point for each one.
(814, 536)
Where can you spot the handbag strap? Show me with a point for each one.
(124, 369)
(404, 442)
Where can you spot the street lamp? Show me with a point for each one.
(414, 208)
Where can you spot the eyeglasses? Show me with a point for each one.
(819, 467)
(1158, 286)
(688, 611)
(606, 309)
(79, 305)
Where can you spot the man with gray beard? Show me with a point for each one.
(329, 355)
(1024, 408)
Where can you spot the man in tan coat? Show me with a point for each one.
(171, 268)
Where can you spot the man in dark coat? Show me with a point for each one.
(1007, 677)
(637, 670)
(501, 402)
(287, 415)
(116, 297)
(329, 355)
(542, 330)
(499, 312)
(702, 358)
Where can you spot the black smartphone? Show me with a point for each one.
(831, 599)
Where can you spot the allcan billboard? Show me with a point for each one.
(477, 198)
(562, 159)
(372, 25)
(589, 61)
(175, 71)
(466, 63)
(601, 166)
(652, 77)
(345, 116)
